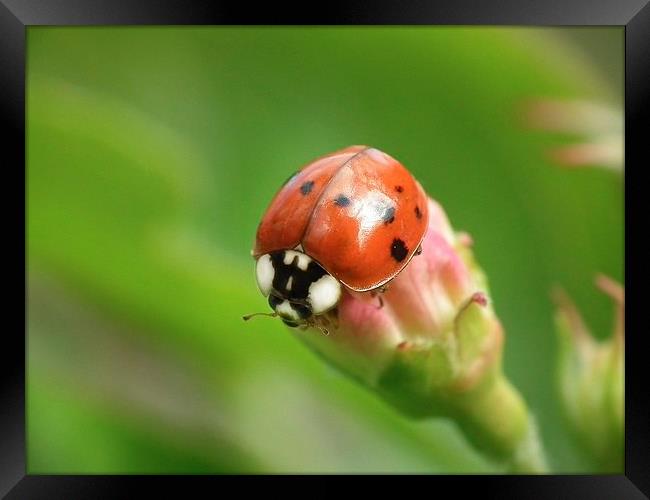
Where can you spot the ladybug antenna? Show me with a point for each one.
(249, 316)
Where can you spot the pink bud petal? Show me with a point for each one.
(423, 300)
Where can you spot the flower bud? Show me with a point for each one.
(598, 126)
(437, 304)
(591, 378)
(431, 344)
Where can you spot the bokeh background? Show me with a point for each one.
(152, 153)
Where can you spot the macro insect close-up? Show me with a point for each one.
(325, 250)
(350, 220)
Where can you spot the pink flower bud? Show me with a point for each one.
(438, 303)
(431, 345)
(599, 129)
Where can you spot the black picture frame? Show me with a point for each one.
(633, 15)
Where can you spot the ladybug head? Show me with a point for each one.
(297, 287)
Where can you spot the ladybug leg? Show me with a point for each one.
(323, 322)
(376, 293)
(419, 250)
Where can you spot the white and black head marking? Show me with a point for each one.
(297, 287)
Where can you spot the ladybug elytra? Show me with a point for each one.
(351, 219)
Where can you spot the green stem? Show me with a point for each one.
(529, 456)
(497, 421)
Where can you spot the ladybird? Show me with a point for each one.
(351, 219)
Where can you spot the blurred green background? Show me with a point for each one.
(152, 153)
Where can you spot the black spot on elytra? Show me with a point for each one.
(389, 215)
(398, 250)
(306, 188)
(399, 189)
(342, 200)
(418, 213)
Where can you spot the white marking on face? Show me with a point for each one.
(285, 310)
(265, 274)
(324, 294)
(289, 283)
(303, 259)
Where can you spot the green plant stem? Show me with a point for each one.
(486, 406)
(495, 418)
